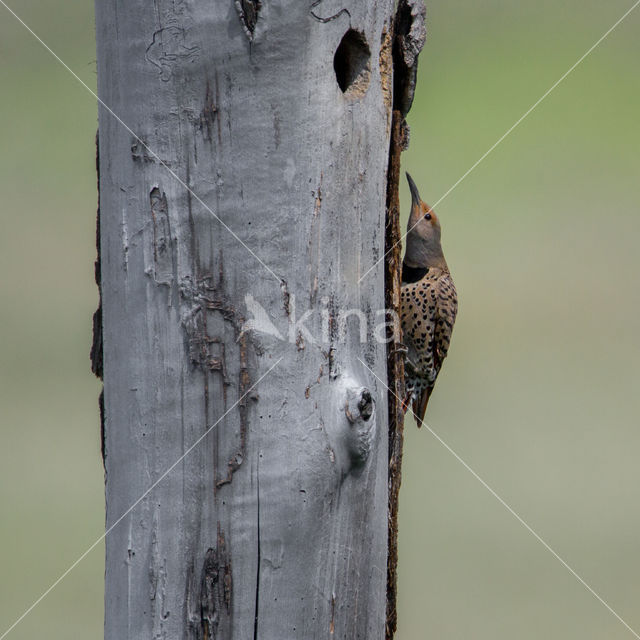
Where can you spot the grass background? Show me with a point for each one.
(539, 393)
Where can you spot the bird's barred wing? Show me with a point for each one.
(446, 311)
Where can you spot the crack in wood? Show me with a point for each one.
(210, 114)
(248, 11)
(314, 243)
(259, 558)
(286, 297)
(163, 259)
(216, 584)
(332, 622)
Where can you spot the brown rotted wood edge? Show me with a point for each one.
(409, 35)
(395, 362)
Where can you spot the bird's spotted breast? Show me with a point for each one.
(428, 311)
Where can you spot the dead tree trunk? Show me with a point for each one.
(244, 150)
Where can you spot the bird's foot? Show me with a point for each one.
(399, 348)
(409, 366)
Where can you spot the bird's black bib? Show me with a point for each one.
(412, 274)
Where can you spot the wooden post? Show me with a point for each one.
(244, 150)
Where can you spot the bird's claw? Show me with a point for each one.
(399, 348)
(409, 365)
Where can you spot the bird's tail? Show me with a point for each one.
(419, 406)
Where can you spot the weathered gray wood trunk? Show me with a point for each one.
(274, 526)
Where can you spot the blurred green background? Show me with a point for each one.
(539, 393)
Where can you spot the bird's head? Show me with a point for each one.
(423, 233)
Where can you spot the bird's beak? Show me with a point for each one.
(415, 196)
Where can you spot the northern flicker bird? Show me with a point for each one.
(428, 304)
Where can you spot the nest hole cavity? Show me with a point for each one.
(352, 64)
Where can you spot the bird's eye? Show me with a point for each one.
(427, 216)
